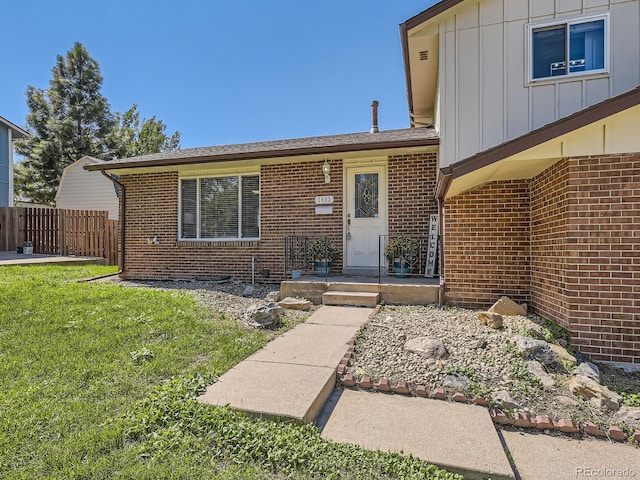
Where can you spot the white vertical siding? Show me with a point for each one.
(84, 190)
(485, 97)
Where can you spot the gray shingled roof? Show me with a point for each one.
(409, 137)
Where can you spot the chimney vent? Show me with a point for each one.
(374, 117)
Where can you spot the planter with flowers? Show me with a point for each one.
(402, 251)
(324, 253)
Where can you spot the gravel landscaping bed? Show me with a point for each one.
(494, 367)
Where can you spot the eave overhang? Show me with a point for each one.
(605, 128)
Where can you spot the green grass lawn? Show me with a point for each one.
(99, 381)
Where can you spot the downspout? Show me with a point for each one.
(122, 222)
(444, 180)
(122, 210)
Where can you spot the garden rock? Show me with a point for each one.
(598, 395)
(532, 349)
(562, 353)
(430, 347)
(628, 415)
(456, 381)
(491, 320)
(505, 400)
(264, 316)
(291, 303)
(248, 291)
(588, 369)
(537, 370)
(507, 307)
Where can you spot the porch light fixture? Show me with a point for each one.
(325, 170)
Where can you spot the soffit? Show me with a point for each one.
(615, 134)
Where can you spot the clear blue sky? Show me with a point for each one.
(221, 71)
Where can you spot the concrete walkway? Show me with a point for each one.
(12, 258)
(294, 375)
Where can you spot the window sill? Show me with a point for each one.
(218, 243)
(567, 78)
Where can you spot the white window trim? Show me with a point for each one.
(568, 22)
(226, 239)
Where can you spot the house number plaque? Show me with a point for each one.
(324, 200)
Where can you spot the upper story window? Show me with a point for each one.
(569, 48)
(220, 208)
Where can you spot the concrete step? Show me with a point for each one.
(357, 299)
(353, 287)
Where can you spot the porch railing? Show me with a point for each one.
(401, 256)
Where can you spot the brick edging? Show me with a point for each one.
(499, 417)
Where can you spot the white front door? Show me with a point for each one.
(366, 215)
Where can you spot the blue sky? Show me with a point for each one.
(222, 72)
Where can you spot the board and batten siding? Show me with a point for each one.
(81, 189)
(484, 94)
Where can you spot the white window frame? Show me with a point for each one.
(198, 223)
(568, 23)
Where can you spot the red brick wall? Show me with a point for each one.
(603, 261)
(487, 245)
(412, 183)
(288, 192)
(569, 238)
(549, 224)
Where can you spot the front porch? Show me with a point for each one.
(363, 290)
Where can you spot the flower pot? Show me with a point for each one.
(401, 269)
(323, 269)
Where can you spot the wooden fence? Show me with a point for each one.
(85, 233)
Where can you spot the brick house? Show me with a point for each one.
(210, 212)
(524, 140)
(538, 109)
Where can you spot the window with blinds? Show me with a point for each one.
(220, 208)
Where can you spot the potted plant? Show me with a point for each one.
(323, 252)
(402, 251)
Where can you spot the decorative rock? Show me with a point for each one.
(588, 369)
(456, 381)
(533, 349)
(563, 342)
(523, 420)
(248, 291)
(383, 385)
(562, 353)
(291, 303)
(428, 346)
(505, 400)
(537, 370)
(480, 344)
(592, 429)
(628, 415)
(604, 404)
(439, 394)
(491, 320)
(543, 421)
(507, 307)
(616, 434)
(588, 389)
(263, 316)
(566, 400)
(273, 296)
(565, 425)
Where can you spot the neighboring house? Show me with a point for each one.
(525, 141)
(80, 189)
(538, 109)
(8, 133)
